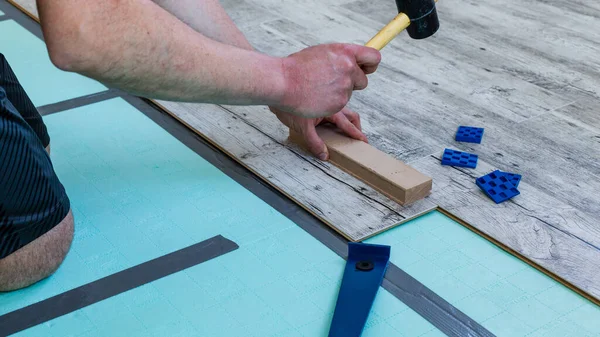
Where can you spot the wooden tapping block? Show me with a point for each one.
(379, 170)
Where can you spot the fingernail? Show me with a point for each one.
(323, 156)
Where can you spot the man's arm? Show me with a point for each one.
(209, 18)
(137, 46)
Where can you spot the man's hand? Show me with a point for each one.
(347, 120)
(319, 80)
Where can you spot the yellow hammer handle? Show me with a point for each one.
(389, 32)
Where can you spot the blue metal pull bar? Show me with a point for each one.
(365, 268)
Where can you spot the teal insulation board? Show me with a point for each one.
(137, 194)
(43, 82)
(501, 292)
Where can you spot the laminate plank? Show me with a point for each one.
(339, 199)
(498, 49)
(246, 15)
(591, 9)
(464, 70)
(275, 130)
(272, 128)
(30, 6)
(295, 31)
(584, 113)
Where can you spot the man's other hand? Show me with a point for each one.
(348, 121)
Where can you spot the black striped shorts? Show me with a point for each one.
(32, 199)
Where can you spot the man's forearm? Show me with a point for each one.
(207, 17)
(137, 46)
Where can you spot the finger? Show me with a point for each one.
(314, 143)
(365, 56)
(369, 69)
(360, 80)
(348, 128)
(353, 117)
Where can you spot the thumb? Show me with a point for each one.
(314, 143)
(366, 57)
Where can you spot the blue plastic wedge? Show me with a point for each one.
(365, 268)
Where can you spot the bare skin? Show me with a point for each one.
(188, 50)
(38, 259)
(191, 51)
(209, 17)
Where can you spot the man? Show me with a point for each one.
(180, 50)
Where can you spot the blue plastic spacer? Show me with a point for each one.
(365, 269)
(458, 158)
(497, 187)
(514, 178)
(469, 134)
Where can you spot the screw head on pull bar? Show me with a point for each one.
(365, 265)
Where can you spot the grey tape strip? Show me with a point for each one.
(78, 102)
(430, 305)
(414, 294)
(4, 17)
(114, 284)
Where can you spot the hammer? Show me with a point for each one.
(418, 17)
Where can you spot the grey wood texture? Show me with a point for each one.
(526, 70)
(258, 140)
(30, 6)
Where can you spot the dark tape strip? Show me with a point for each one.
(78, 102)
(414, 294)
(430, 305)
(4, 17)
(114, 284)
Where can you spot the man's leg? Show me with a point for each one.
(36, 225)
(19, 99)
(38, 259)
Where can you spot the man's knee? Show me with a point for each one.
(38, 259)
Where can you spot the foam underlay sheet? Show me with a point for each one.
(137, 194)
